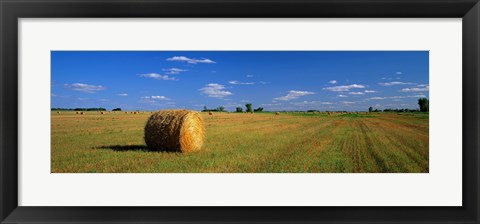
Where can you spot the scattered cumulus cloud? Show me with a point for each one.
(263, 82)
(123, 94)
(344, 88)
(234, 82)
(157, 76)
(153, 99)
(86, 88)
(416, 89)
(341, 95)
(311, 103)
(249, 76)
(395, 83)
(398, 73)
(356, 93)
(294, 94)
(191, 60)
(173, 71)
(332, 81)
(215, 90)
(159, 98)
(396, 97)
(370, 91)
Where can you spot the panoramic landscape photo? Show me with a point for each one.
(239, 111)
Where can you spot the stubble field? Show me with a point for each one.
(246, 143)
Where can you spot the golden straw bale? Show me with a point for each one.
(175, 130)
(210, 113)
(277, 113)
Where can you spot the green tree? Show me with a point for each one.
(260, 109)
(117, 109)
(370, 109)
(205, 108)
(239, 109)
(249, 107)
(220, 108)
(423, 103)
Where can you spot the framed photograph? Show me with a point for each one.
(248, 112)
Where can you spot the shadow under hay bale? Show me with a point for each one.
(175, 130)
(126, 148)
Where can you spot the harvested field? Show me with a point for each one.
(247, 143)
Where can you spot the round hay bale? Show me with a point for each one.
(210, 113)
(277, 113)
(81, 113)
(101, 112)
(77, 112)
(175, 130)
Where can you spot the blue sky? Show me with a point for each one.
(274, 80)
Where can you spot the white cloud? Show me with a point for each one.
(333, 82)
(215, 90)
(159, 98)
(263, 82)
(157, 76)
(356, 93)
(174, 71)
(123, 94)
(249, 76)
(377, 98)
(234, 82)
(416, 89)
(398, 73)
(344, 88)
(155, 97)
(395, 83)
(370, 91)
(397, 97)
(190, 60)
(311, 103)
(341, 95)
(86, 88)
(347, 102)
(294, 94)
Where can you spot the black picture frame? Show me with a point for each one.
(12, 10)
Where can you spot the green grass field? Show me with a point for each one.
(247, 143)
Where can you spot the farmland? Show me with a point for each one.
(246, 143)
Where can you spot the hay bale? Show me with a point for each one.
(210, 113)
(175, 130)
(101, 112)
(81, 113)
(77, 112)
(277, 113)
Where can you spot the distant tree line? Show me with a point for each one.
(422, 104)
(79, 109)
(218, 109)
